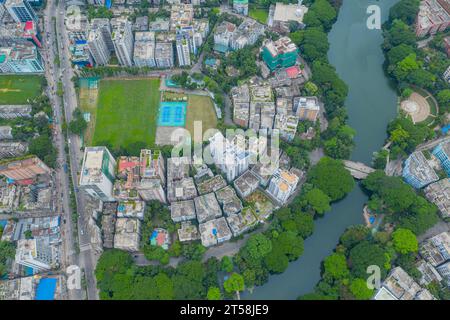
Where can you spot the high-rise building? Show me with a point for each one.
(98, 48)
(2, 10)
(281, 53)
(104, 26)
(183, 52)
(122, 38)
(307, 108)
(22, 58)
(442, 152)
(241, 7)
(37, 254)
(164, 55)
(21, 10)
(152, 165)
(98, 173)
(228, 156)
(417, 171)
(282, 185)
(144, 49)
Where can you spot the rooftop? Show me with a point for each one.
(188, 232)
(207, 207)
(182, 210)
(289, 12)
(127, 234)
(214, 232)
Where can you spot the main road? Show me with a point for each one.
(56, 44)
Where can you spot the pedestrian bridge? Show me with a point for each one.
(357, 169)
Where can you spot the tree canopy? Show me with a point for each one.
(332, 178)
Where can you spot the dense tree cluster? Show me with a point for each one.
(400, 202)
(410, 66)
(78, 124)
(118, 278)
(330, 176)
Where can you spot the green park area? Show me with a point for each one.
(259, 14)
(19, 89)
(126, 113)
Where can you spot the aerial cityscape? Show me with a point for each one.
(224, 150)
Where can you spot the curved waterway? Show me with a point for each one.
(356, 53)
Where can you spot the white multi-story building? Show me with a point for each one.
(98, 173)
(104, 26)
(144, 49)
(37, 254)
(22, 58)
(224, 33)
(151, 189)
(183, 51)
(230, 158)
(282, 185)
(122, 38)
(164, 55)
(98, 48)
(152, 165)
(241, 7)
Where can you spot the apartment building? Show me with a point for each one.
(417, 171)
(281, 53)
(433, 17)
(123, 41)
(98, 48)
(98, 173)
(21, 10)
(307, 108)
(37, 254)
(164, 55)
(21, 58)
(241, 7)
(282, 185)
(183, 49)
(442, 152)
(144, 49)
(231, 160)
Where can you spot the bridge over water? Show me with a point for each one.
(358, 169)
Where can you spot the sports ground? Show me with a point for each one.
(126, 112)
(15, 89)
(123, 112)
(172, 114)
(183, 112)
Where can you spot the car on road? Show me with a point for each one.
(82, 232)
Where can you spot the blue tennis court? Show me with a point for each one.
(172, 114)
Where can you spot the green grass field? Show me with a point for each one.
(259, 15)
(127, 112)
(200, 108)
(17, 89)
